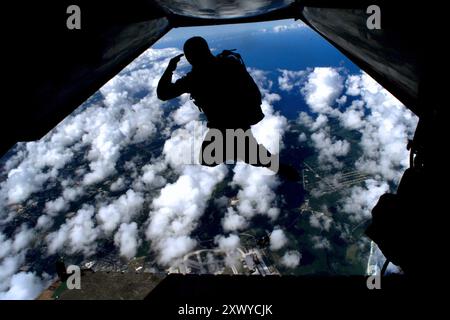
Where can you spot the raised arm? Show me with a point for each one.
(166, 89)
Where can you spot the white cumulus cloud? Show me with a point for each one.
(277, 239)
(291, 259)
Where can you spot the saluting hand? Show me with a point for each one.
(173, 62)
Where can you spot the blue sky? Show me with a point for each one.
(180, 34)
(282, 44)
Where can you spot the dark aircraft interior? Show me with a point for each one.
(405, 56)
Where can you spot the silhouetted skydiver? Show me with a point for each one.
(222, 88)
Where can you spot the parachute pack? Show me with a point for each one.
(243, 83)
(226, 93)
